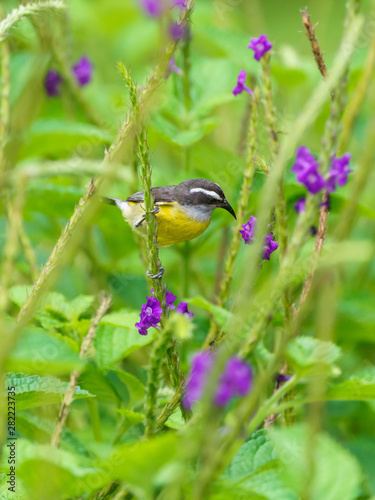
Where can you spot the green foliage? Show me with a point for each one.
(320, 443)
(35, 391)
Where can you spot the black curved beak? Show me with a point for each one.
(228, 208)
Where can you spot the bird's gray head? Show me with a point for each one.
(204, 194)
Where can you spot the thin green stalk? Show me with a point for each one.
(28, 10)
(268, 103)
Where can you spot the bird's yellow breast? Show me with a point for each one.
(175, 222)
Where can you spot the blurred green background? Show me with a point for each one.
(204, 141)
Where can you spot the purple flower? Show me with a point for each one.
(269, 246)
(154, 8)
(240, 87)
(169, 299)
(300, 205)
(180, 3)
(172, 67)
(150, 315)
(306, 169)
(83, 71)
(339, 172)
(200, 367)
(304, 160)
(248, 230)
(52, 83)
(182, 308)
(312, 179)
(236, 380)
(260, 46)
(179, 31)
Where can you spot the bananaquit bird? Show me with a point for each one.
(183, 212)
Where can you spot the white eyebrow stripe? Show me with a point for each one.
(205, 191)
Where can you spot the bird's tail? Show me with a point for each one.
(109, 201)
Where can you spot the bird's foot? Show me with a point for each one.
(155, 211)
(156, 276)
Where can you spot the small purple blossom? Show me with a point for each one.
(312, 179)
(306, 169)
(182, 308)
(154, 8)
(180, 3)
(52, 83)
(260, 46)
(179, 31)
(240, 87)
(248, 230)
(300, 205)
(236, 380)
(150, 315)
(269, 246)
(173, 68)
(304, 160)
(338, 174)
(83, 71)
(169, 299)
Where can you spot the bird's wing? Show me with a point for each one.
(161, 194)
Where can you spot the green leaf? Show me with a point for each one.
(134, 385)
(222, 316)
(42, 353)
(336, 473)
(255, 468)
(39, 391)
(70, 310)
(117, 337)
(310, 356)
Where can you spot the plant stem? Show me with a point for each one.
(268, 103)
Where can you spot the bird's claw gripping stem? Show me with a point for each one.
(155, 276)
